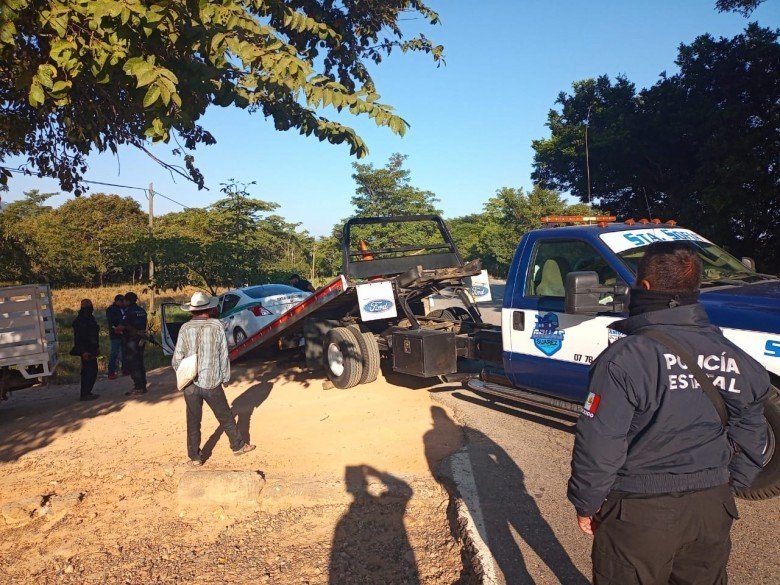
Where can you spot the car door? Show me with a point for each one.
(172, 318)
(550, 351)
(229, 316)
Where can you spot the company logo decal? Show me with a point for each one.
(548, 338)
(772, 348)
(591, 405)
(378, 306)
(613, 336)
(479, 290)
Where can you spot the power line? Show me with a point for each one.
(24, 172)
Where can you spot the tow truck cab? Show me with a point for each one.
(567, 284)
(538, 330)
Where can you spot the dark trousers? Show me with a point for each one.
(133, 358)
(669, 539)
(194, 396)
(89, 372)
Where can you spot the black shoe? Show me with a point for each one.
(136, 392)
(89, 396)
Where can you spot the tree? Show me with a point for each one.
(743, 7)
(699, 146)
(493, 235)
(96, 74)
(388, 192)
(235, 242)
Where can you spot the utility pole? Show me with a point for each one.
(150, 198)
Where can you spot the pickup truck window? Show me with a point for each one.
(552, 260)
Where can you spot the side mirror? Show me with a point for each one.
(748, 262)
(585, 296)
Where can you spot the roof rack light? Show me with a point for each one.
(574, 219)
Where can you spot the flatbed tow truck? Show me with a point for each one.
(375, 309)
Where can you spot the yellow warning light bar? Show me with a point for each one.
(572, 219)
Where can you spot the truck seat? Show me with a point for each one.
(551, 284)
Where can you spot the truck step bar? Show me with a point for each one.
(514, 394)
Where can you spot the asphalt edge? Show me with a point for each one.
(466, 519)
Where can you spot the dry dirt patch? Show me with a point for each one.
(349, 494)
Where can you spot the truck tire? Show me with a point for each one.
(342, 358)
(369, 350)
(767, 484)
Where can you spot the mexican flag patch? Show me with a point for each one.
(591, 404)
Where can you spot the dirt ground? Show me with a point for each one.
(88, 490)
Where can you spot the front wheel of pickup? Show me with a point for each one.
(342, 358)
(767, 484)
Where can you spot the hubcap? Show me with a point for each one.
(240, 337)
(769, 449)
(335, 360)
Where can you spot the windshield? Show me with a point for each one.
(717, 264)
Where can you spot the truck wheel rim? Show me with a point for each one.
(769, 448)
(335, 360)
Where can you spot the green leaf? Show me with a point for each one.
(36, 96)
(152, 94)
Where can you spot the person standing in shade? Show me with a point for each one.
(86, 345)
(662, 444)
(301, 283)
(205, 336)
(114, 315)
(133, 330)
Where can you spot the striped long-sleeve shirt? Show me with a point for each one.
(213, 362)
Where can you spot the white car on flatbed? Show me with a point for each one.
(245, 311)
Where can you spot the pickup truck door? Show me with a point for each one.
(547, 350)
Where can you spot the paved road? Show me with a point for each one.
(519, 459)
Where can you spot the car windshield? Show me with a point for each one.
(718, 266)
(270, 290)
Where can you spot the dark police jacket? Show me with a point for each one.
(647, 427)
(114, 316)
(135, 320)
(86, 335)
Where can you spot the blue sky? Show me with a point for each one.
(472, 121)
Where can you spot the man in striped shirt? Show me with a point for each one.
(205, 336)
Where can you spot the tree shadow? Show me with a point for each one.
(370, 543)
(33, 418)
(243, 407)
(492, 486)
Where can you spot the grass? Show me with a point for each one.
(66, 305)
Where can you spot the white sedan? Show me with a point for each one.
(245, 311)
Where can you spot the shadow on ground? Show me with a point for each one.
(505, 512)
(32, 419)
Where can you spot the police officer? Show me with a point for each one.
(86, 345)
(653, 464)
(134, 340)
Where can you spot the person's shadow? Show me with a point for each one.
(370, 544)
(502, 503)
(243, 407)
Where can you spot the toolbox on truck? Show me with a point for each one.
(424, 352)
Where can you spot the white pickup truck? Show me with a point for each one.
(28, 336)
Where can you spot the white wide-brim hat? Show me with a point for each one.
(200, 302)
